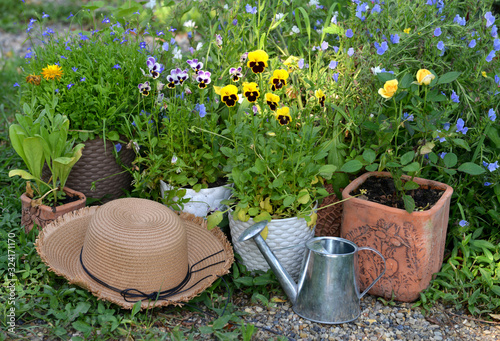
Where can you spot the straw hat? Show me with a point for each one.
(135, 249)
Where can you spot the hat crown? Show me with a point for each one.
(136, 244)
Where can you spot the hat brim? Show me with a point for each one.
(59, 245)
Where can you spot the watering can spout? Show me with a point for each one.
(286, 281)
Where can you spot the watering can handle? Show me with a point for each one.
(376, 279)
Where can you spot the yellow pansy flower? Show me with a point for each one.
(251, 91)
(283, 115)
(272, 100)
(320, 96)
(257, 61)
(278, 80)
(229, 95)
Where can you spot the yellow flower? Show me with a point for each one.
(484, 74)
(424, 77)
(389, 89)
(257, 61)
(34, 79)
(229, 95)
(320, 96)
(251, 91)
(278, 80)
(272, 100)
(292, 63)
(283, 115)
(52, 71)
(407, 30)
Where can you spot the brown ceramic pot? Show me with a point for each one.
(412, 243)
(43, 215)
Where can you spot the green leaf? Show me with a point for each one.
(496, 289)
(136, 308)
(303, 196)
(409, 203)
(410, 185)
(471, 168)
(385, 76)
(334, 29)
(205, 329)
(351, 166)
(450, 171)
(369, 155)
(246, 280)
(372, 168)
(448, 77)
(412, 167)
(260, 165)
(326, 171)
(23, 174)
(462, 143)
(406, 81)
(214, 219)
(392, 164)
(221, 321)
(288, 201)
(82, 326)
(407, 158)
(450, 160)
(479, 243)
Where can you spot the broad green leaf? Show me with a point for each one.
(247, 280)
(471, 168)
(409, 203)
(17, 136)
(33, 150)
(372, 168)
(479, 243)
(462, 143)
(407, 158)
(264, 215)
(23, 174)
(450, 160)
(326, 171)
(385, 76)
(406, 81)
(369, 155)
(260, 165)
(448, 77)
(409, 185)
(412, 167)
(221, 321)
(392, 164)
(303, 197)
(427, 148)
(288, 200)
(496, 289)
(351, 166)
(82, 326)
(214, 219)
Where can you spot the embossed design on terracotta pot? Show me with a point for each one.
(412, 243)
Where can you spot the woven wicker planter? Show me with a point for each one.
(97, 163)
(43, 215)
(286, 238)
(329, 219)
(204, 201)
(412, 243)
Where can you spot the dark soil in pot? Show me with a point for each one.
(382, 190)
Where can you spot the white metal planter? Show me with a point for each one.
(286, 238)
(203, 202)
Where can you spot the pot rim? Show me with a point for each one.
(356, 183)
(67, 190)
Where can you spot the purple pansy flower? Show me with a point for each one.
(203, 79)
(235, 74)
(154, 68)
(144, 88)
(195, 65)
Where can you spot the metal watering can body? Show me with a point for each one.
(328, 287)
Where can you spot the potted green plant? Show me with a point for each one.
(176, 130)
(94, 73)
(41, 137)
(277, 157)
(404, 216)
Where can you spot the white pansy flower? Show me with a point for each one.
(295, 29)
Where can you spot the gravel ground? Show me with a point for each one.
(377, 322)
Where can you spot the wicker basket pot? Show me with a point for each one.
(99, 163)
(204, 201)
(286, 238)
(329, 219)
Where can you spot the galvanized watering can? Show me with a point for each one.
(328, 289)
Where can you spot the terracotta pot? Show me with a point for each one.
(43, 215)
(412, 243)
(99, 165)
